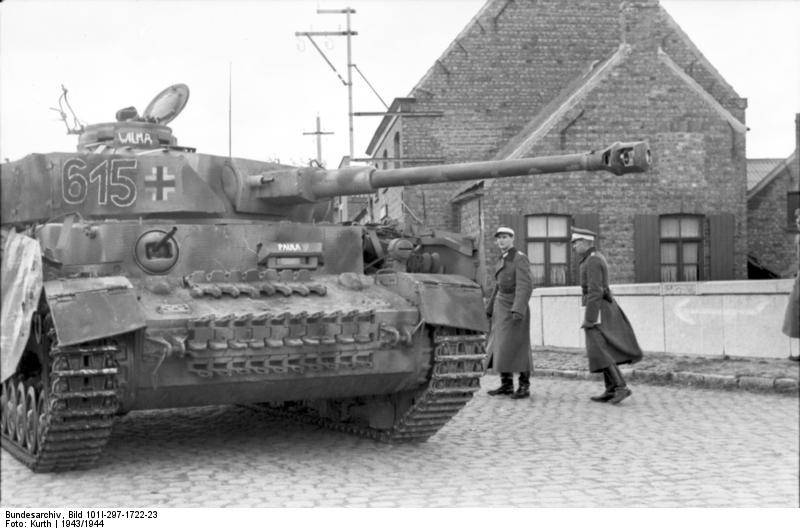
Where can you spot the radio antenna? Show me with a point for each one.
(77, 125)
(230, 105)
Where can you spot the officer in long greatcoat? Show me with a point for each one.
(791, 319)
(509, 343)
(610, 339)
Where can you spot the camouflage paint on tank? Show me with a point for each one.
(173, 278)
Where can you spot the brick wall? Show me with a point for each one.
(502, 70)
(771, 235)
(701, 171)
(770, 239)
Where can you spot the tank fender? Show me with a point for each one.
(443, 299)
(22, 279)
(86, 309)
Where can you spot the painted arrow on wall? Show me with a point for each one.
(685, 312)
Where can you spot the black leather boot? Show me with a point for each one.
(524, 389)
(621, 391)
(609, 393)
(506, 387)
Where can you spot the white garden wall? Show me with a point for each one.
(737, 318)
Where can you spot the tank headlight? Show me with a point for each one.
(400, 249)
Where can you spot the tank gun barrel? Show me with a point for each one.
(619, 158)
(310, 184)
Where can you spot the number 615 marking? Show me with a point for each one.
(112, 183)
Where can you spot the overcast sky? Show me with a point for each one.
(119, 53)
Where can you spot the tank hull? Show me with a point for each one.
(156, 277)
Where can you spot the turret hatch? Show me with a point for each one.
(166, 106)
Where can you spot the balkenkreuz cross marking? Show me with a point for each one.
(161, 186)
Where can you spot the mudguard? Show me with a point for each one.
(444, 299)
(85, 309)
(21, 287)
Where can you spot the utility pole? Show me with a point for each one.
(348, 33)
(230, 105)
(349, 83)
(318, 133)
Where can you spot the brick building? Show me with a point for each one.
(541, 77)
(772, 198)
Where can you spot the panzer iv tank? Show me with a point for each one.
(139, 274)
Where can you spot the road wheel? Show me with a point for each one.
(3, 408)
(21, 414)
(32, 420)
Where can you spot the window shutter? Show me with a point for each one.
(518, 225)
(721, 228)
(792, 203)
(647, 252)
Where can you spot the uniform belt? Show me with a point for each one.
(507, 291)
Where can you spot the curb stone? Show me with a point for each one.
(785, 384)
(714, 381)
(650, 376)
(727, 382)
(756, 383)
(689, 379)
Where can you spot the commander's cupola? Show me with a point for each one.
(148, 131)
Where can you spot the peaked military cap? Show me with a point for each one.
(582, 233)
(504, 230)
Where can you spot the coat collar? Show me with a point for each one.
(503, 260)
(589, 252)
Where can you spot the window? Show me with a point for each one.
(681, 242)
(792, 204)
(397, 153)
(385, 157)
(547, 246)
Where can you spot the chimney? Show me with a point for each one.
(639, 24)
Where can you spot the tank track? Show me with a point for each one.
(67, 425)
(458, 365)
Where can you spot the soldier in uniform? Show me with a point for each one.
(509, 344)
(610, 340)
(791, 319)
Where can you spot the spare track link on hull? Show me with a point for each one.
(458, 365)
(68, 426)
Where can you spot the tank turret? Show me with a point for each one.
(139, 274)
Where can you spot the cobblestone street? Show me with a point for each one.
(664, 447)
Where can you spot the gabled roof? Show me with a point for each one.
(705, 63)
(577, 90)
(565, 101)
(453, 45)
(694, 85)
(758, 168)
(783, 165)
(386, 123)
